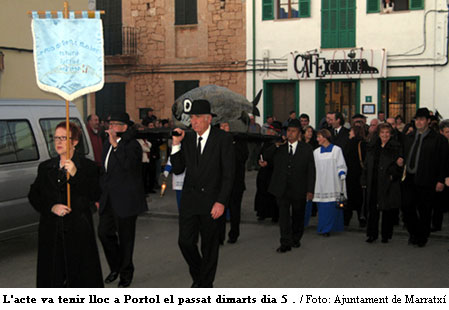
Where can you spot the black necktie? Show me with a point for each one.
(336, 132)
(290, 152)
(198, 150)
(414, 152)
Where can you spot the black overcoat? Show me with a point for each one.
(432, 159)
(388, 174)
(352, 158)
(341, 139)
(265, 203)
(122, 182)
(70, 238)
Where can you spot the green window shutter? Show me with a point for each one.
(373, 6)
(325, 24)
(267, 9)
(346, 23)
(351, 25)
(416, 4)
(304, 8)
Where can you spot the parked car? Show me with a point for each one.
(26, 140)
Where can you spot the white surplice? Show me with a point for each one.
(330, 164)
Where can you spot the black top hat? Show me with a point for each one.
(294, 123)
(423, 112)
(121, 117)
(197, 107)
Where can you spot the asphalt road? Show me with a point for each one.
(342, 260)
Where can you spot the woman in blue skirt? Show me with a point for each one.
(330, 182)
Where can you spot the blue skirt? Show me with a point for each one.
(330, 218)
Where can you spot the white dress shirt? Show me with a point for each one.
(176, 148)
(294, 145)
(107, 156)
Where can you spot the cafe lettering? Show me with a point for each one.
(338, 64)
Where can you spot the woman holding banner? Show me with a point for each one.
(67, 250)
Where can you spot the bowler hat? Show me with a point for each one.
(294, 123)
(423, 112)
(198, 107)
(121, 117)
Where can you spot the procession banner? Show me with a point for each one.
(68, 54)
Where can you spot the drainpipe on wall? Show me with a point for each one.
(254, 49)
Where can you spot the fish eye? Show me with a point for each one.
(187, 105)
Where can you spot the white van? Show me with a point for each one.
(26, 140)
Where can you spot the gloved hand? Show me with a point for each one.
(343, 177)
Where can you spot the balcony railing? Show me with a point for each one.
(120, 41)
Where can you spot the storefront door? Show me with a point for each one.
(338, 96)
(280, 98)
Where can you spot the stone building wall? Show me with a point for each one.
(167, 52)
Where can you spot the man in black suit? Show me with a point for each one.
(235, 203)
(207, 157)
(292, 182)
(340, 134)
(425, 175)
(122, 198)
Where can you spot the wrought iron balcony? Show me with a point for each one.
(120, 45)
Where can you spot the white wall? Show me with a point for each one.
(400, 33)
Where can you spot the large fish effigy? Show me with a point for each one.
(229, 107)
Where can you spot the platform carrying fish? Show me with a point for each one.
(227, 105)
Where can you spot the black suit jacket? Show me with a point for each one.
(432, 159)
(122, 183)
(212, 180)
(341, 139)
(303, 170)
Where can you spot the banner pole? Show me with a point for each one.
(67, 120)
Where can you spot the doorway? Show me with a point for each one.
(338, 96)
(280, 98)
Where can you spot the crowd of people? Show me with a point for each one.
(386, 173)
(380, 173)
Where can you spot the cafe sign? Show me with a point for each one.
(338, 64)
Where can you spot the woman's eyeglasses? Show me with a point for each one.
(60, 138)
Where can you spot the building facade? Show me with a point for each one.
(349, 56)
(159, 49)
(17, 74)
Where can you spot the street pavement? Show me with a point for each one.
(342, 260)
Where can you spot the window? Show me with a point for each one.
(181, 87)
(185, 12)
(281, 9)
(17, 142)
(112, 21)
(386, 6)
(48, 128)
(399, 97)
(338, 23)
